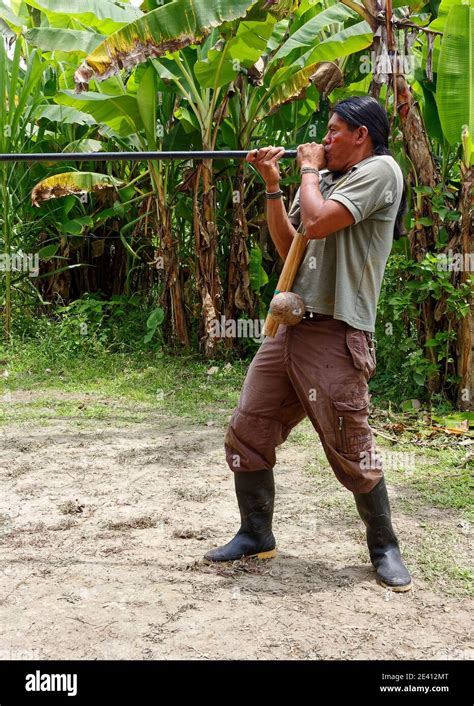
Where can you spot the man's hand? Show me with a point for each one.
(266, 162)
(311, 155)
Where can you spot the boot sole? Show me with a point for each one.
(397, 589)
(260, 555)
(264, 555)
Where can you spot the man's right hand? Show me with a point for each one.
(266, 162)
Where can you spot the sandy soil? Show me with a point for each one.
(103, 525)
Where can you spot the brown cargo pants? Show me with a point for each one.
(320, 369)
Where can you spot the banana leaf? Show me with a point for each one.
(66, 40)
(455, 84)
(305, 35)
(9, 16)
(347, 41)
(166, 29)
(438, 24)
(84, 145)
(288, 84)
(120, 113)
(147, 104)
(61, 185)
(65, 114)
(103, 15)
(244, 49)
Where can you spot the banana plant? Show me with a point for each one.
(42, 127)
(201, 84)
(134, 118)
(20, 98)
(455, 101)
(203, 77)
(67, 33)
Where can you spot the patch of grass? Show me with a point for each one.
(50, 408)
(304, 434)
(205, 533)
(442, 478)
(171, 385)
(71, 507)
(198, 495)
(437, 555)
(328, 492)
(144, 522)
(448, 490)
(19, 470)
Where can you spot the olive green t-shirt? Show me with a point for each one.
(341, 275)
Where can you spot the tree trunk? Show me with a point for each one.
(239, 294)
(205, 233)
(172, 298)
(419, 151)
(465, 327)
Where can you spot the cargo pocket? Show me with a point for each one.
(353, 434)
(362, 350)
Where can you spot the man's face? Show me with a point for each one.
(339, 143)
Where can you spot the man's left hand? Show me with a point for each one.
(311, 155)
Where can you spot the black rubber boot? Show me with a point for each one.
(374, 509)
(255, 492)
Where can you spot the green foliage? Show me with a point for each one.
(255, 60)
(258, 276)
(155, 320)
(439, 198)
(91, 325)
(403, 365)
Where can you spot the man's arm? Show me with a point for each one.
(281, 230)
(320, 217)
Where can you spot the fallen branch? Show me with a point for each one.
(385, 436)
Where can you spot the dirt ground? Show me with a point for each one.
(104, 523)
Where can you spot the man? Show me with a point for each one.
(320, 367)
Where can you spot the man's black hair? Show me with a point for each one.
(365, 110)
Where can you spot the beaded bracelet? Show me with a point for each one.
(309, 170)
(273, 194)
